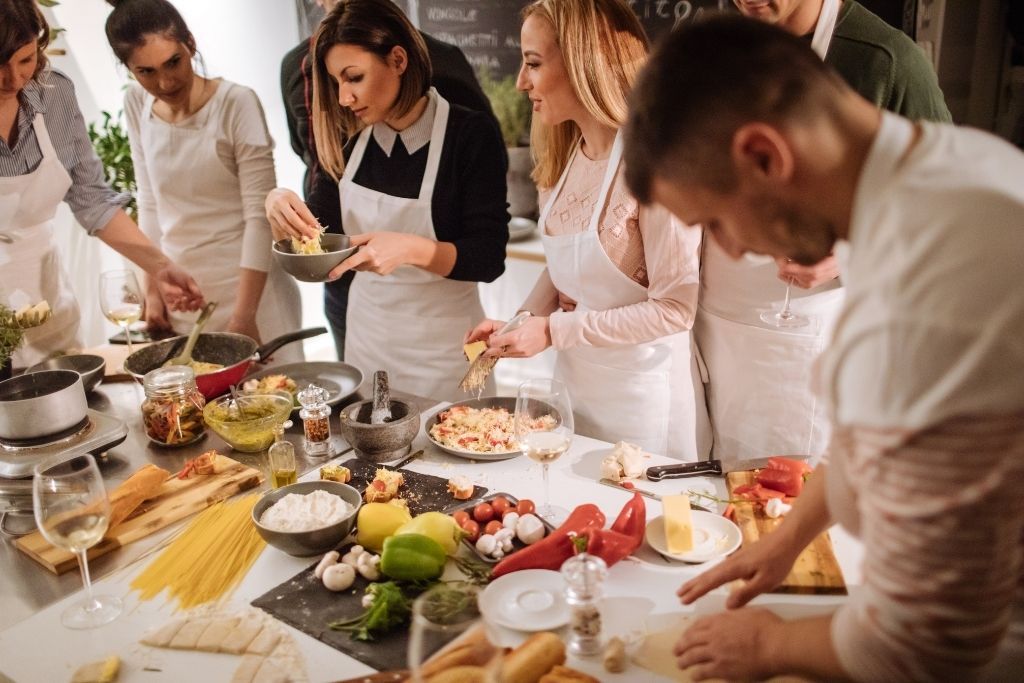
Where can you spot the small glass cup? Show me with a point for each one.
(282, 459)
(440, 615)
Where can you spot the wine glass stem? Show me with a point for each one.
(128, 338)
(83, 564)
(785, 312)
(547, 488)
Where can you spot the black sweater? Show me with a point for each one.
(469, 205)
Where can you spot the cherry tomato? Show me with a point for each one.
(493, 527)
(525, 507)
(483, 513)
(460, 516)
(472, 530)
(501, 505)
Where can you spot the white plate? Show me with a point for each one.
(340, 380)
(723, 537)
(520, 228)
(527, 600)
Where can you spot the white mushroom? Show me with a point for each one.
(504, 537)
(328, 560)
(368, 565)
(776, 508)
(510, 520)
(338, 577)
(486, 544)
(530, 529)
(352, 556)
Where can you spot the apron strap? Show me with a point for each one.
(825, 27)
(609, 177)
(43, 136)
(542, 219)
(357, 154)
(436, 145)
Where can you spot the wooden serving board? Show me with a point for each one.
(114, 355)
(177, 499)
(815, 571)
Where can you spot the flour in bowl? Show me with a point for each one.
(296, 512)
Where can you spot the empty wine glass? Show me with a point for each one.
(786, 317)
(121, 300)
(72, 512)
(544, 430)
(441, 614)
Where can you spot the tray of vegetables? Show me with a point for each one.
(499, 524)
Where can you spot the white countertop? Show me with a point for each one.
(40, 649)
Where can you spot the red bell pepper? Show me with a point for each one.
(784, 474)
(557, 547)
(625, 535)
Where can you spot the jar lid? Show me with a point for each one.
(171, 377)
(312, 396)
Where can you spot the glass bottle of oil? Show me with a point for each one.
(282, 459)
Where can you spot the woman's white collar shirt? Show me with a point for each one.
(413, 138)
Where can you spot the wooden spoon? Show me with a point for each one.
(185, 357)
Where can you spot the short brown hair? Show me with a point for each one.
(706, 80)
(23, 22)
(376, 26)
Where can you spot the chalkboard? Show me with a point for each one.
(487, 31)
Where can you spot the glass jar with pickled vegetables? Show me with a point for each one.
(173, 410)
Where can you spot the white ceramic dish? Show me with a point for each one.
(341, 380)
(527, 600)
(520, 229)
(714, 537)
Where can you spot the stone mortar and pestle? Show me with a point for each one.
(380, 429)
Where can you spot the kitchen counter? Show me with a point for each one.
(641, 588)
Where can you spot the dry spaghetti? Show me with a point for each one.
(208, 560)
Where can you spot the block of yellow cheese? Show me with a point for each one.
(678, 525)
(475, 349)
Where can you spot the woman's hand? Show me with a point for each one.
(244, 323)
(808, 277)
(527, 340)
(157, 321)
(566, 303)
(379, 252)
(483, 330)
(177, 289)
(289, 216)
(736, 646)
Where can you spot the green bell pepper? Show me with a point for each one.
(412, 557)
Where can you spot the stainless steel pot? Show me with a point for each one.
(41, 403)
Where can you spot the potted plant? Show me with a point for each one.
(12, 331)
(110, 140)
(512, 109)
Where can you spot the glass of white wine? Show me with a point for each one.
(72, 512)
(121, 300)
(544, 430)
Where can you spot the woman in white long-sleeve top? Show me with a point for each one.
(204, 162)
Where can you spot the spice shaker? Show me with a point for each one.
(173, 410)
(316, 421)
(584, 576)
(282, 458)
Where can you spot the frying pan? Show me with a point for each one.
(236, 352)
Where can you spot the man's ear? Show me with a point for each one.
(399, 59)
(760, 151)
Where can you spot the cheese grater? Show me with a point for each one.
(480, 369)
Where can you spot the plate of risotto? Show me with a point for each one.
(479, 428)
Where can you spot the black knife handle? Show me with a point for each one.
(689, 469)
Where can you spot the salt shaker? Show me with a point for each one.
(316, 422)
(584, 576)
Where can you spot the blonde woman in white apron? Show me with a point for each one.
(420, 187)
(47, 158)
(204, 163)
(622, 335)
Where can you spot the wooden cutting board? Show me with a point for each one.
(815, 571)
(177, 499)
(114, 355)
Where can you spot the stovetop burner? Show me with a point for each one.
(97, 434)
(86, 427)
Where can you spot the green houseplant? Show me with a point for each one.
(512, 109)
(110, 139)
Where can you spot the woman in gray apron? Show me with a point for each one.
(46, 158)
(420, 185)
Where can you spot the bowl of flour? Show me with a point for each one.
(307, 518)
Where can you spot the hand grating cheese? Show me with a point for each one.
(678, 524)
(473, 350)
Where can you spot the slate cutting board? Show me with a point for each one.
(303, 603)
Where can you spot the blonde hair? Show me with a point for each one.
(376, 26)
(604, 47)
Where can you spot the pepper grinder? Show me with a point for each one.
(584, 576)
(316, 422)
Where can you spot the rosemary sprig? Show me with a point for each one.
(723, 501)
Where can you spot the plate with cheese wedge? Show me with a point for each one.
(710, 537)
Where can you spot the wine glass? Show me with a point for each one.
(121, 300)
(544, 430)
(785, 318)
(439, 615)
(72, 512)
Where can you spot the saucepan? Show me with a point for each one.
(236, 352)
(41, 403)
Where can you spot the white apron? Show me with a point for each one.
(30, 266)
(642, 393)
(199, 207)
(411, 322)
(759, 395)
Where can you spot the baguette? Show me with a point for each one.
(460, 674)
(130, 494)
(534, 658)
(471, 650)
(563, 674)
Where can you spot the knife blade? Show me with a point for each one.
(710, 467)
(646, 494)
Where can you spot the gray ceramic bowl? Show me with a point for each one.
(90, 367)
(381, 442)
(314, 267)
(306, 543)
